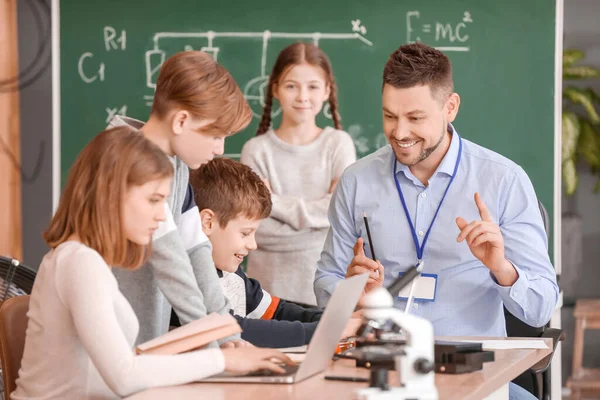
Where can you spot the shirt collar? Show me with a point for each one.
(449, 161)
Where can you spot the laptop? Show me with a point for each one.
(322, 346)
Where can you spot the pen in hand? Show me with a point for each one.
(369, 237)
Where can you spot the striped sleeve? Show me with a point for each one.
(259, 303)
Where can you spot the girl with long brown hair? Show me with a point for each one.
(81, 331)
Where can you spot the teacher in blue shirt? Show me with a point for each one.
(467, 215)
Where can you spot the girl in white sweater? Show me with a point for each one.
(79, 340)
(301, 163)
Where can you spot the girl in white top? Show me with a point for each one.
(301, 163)
(79, 340)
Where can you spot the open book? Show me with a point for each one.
(192, 336)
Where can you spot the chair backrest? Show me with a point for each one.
(514, 326)
(13, 324)
(517, 328)
(14, 272)
(545, 218)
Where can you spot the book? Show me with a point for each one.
(192, 336)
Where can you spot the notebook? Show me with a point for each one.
(192, 336)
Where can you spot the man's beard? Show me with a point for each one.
(427, 152)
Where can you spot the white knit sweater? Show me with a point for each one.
(291, 239)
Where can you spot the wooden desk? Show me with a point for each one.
(478, 385)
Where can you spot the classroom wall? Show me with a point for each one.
(36, 130)
(580, 279)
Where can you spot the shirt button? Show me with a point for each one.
(415, 305)
(421, 233)
(423, 195)
(515, 294)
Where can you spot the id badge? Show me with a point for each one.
(425, 288)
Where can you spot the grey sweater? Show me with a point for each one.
(291, 239)
(180, 272)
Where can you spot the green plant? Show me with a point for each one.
(580, 122)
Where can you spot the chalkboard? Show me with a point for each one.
(502, 54)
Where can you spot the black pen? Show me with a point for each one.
(369, 236)
(346, 378)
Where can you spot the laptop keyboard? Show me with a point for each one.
(289, 370)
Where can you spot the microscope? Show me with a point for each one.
(381, 347)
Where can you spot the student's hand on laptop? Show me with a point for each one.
(361, 264)
(234, 344)
(249, 359)
(485, 241)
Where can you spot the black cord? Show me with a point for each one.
(38, 164)
(41, 47)
(42, 40)
(25, 84)
(21, 81)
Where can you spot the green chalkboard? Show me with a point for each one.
(502, 53)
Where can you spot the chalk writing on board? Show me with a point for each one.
(380, 141)
(111, 42)
(254, 89)
(357, 27)
(365, 142)
(98, 74)
(148, 99)
(111, 112)
(327, 110)
(442, 35)
(360, 142)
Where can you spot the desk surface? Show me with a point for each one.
(508, 365)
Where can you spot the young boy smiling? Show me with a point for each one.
(233, 201)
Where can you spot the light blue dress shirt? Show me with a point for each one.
(468, 299)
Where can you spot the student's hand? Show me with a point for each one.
(485, 241)
(351, 327)
(236, 344)
(358, 313)
(334, 183)
(245, 360)
(361, 264)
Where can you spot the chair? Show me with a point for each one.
(536, 380)
(584, 381)
(14, 272)
(13, 324)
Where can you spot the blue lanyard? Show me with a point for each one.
(420, 249)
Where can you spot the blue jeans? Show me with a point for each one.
(516, 392)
